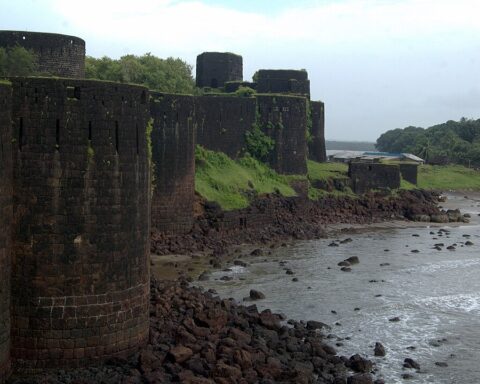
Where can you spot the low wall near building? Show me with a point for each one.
(367, 176)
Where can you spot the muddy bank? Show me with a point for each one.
(273, 219)
(198, 338)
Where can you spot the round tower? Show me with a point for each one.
(58, 55)
(80, 265)
(214, 69)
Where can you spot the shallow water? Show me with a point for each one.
(436, 295)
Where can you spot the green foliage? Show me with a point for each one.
(245, 91)
(17, 61)
(164, 75)
(451, 177)
(259, 145)
(148, 135)
(455, 141)
(234, 183)
(325, 171)
(308, 133)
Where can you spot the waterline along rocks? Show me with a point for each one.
(77, 199)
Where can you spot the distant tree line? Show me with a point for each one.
(453, 141)
(164, 75)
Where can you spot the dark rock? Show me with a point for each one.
(410, 364)
(314, 325)
(344, 264)
(346, 269)
(256, 252)
(441, 364)
(379, 349)
(353, 260)
(360, 378)
(359, 364)
(256, 295)
(240, 263)
(179, 354)
(394, 319)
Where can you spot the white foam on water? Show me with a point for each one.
(466, 303)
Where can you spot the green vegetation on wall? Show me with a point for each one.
(233, 184)
(164, 75)
(259, 145)
(17, 61)
(308, 133)
(245, 91)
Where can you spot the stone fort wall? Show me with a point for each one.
(214, 69)
(80, 270)
(58, 55)
(173, 150)
(222, 122)
(75, 201)
(316, 147)
(5, 226)
(367, 176)
(284, 118)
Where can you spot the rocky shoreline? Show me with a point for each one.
(276, 220)
(198, 338)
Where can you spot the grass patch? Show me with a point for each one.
(448, 177)
(325, 171)
(234, 183)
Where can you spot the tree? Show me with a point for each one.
(17, 61)
(457, 141)
(164, 75)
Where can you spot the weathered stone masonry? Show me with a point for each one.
(75, 195)
(316, 147)
(366, 176)
(222, 122)
(80, 270)
(5, 226)
(58, 55)
(173, 147)
(214, 69)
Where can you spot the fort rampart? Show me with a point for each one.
(5, 226)
(77, 202)
(80, 264)
(58, 55)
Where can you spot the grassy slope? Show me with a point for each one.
(324, 171)
(449, 177)
(230, 182)
(233, 183)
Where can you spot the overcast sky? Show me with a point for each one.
(377, 64)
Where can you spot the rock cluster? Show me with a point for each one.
(198, 338)
(273, 218)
